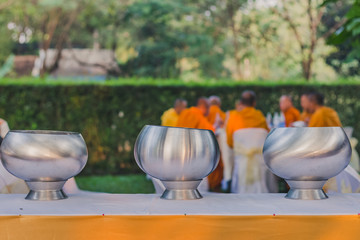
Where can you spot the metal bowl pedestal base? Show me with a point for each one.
(45, 191)
(181, 190)
(306, 190)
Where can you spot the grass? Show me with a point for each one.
(135, 183)
(116, 184)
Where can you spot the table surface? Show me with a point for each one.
(87, 203)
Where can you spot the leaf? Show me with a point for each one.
(326, 2)
(353, 12)
(356, 31)
(354, 54)
(339, 38)
(351, 24)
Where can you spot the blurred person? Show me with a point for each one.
(322, 116)
(304, 102)
(227, 153)
(170, 117)
(348, 180)
(249, 173)
(216, 116)
(245, 116)
(195, 117)
(238, 106)
(4, 129)
(291, 114)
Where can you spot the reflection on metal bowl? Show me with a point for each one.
(306, 158)
(44, 159)
(179, 157)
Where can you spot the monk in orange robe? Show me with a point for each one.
(238, 108)
(291, 114)
(247, 117)
(305, 102)
(196, 117)
(170, 116)
(216, 115)
(322, 116)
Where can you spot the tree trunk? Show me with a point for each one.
(62, 40)
(54, 18)
(306, 70)
(313, 24)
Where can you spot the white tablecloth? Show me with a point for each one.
(88, 203)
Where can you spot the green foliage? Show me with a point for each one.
(168, 82)
(111, 116)
(66, 4)
(161, 38)
(350, 32)
(6, 43)
(116, 184)
(174, 39)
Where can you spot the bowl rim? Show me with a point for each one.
(195, 129)
(306, 127)
(44, 132)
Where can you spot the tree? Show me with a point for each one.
(307, 45)
(166, 35)
(45, 21)
(148, 24)
(55, 23)
(181, 39)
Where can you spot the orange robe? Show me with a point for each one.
(213, 112)
(169, 118)
(249, 117)
(291, 115)
(325, 117)
(193, 118)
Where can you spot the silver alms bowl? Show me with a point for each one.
(306, 158)
(44, 159)
(179, 157)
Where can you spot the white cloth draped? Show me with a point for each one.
(249, 174)
(348, 181)
(227, 154)
(354, 156)
(353, 141)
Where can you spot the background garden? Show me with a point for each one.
(239, 40)
(110, 116)
(160, 50)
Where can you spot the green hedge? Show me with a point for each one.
(110, 117)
